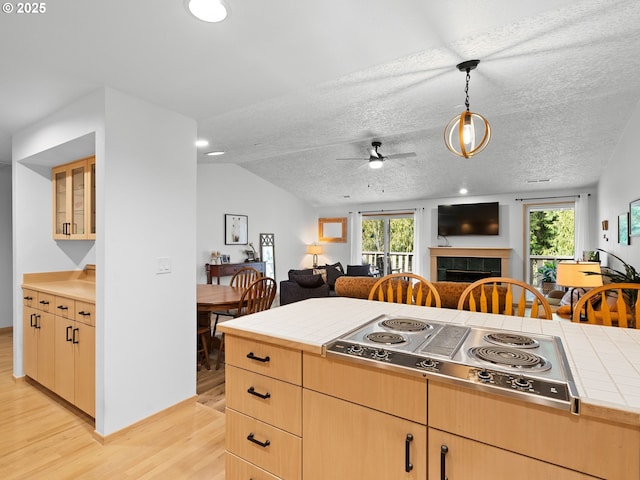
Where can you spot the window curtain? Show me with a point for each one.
(355, 237)
(583, 237)
(418, 220)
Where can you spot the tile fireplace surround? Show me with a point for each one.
(469, 252)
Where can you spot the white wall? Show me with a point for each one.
(511, 226)
(145, 205)
(226, 188)
(617, 187)
(6, 284)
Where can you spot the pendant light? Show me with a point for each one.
(463, 131)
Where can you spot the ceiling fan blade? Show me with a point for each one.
(401, 155)
(360, 159)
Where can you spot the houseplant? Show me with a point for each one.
(547, 274)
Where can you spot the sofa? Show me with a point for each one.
(359, 287)
(317, 282)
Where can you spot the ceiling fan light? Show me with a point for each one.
(208, 10)
(375, 163)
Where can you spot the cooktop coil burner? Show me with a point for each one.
(510, 357)
(386, 338)
(511, 339)
(405, 324)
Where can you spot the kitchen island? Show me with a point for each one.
(294, 413)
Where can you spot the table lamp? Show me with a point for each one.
(573, 275)
(314, 250)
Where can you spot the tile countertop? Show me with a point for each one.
(604, 361)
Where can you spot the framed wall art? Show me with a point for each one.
(634, 218)
(623, 228)
(236, 228)
(332, 230)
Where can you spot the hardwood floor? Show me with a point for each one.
(43, 438)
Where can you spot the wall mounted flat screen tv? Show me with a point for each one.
(468, 219)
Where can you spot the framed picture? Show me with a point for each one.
(236, 229)
(268, 254)
(623, 228)
(634, 218)
(225, 258)
(332, 230)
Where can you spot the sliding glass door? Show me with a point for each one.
(388, 242)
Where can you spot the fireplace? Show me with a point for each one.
(468, 264)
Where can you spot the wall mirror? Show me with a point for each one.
(332, 230)
(268, 254)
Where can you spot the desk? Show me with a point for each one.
(218, 270)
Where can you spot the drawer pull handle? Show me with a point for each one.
(407, 454)
(251, 356)
(252, 391)
(443, 467)
(44, 302)
(264, 444)
(62, 307)
(28, 298)
(67, 334)
(84, 314)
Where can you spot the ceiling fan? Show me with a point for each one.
(376, 159)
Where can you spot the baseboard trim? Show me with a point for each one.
(6, 330)
(107, 439)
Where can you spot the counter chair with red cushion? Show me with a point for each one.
(476, 299)
(613, 305)
(405, 287)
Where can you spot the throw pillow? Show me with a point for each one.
(306, 271)
(359, 270)
(308, 281)
(333, 273)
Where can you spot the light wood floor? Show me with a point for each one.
(42, 438)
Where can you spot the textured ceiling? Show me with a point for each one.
(288, 87)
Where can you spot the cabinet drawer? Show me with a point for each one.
(245, 392)
(237, 468)
(279, 452)
(264, 358)
(46, 302)
(86, 313)
(29, 297)
(65, 307)
(369, 386)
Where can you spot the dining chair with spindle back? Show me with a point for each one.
(613, 305)
(405, 287)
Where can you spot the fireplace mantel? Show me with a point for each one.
(478, 252)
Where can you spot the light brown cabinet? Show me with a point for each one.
(38, 337)
(59, 348)
(264, 410)
(75, 354)
(74, 195)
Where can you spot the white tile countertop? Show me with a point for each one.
(604, 361)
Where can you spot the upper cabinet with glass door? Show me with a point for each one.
(74, 193)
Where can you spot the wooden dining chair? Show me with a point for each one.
(499, 298)
(613, 305)
(242, 278)
(405, 287)
(257, 297)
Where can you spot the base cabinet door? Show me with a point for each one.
(85, 368)
(457, 458)
(38, 345)
(346, 440)
(64, 374)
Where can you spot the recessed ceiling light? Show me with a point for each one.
(215, 153)
(208, 10)
(464, 191)
(201, 142)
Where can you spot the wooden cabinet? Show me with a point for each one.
(75, 356)
(264, 410)
(362, 422)
(481, 431)
(59, 346)
(458, 457)
(74, 195)
(215, 270)
(38, 338)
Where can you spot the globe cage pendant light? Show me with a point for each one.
(462, 132)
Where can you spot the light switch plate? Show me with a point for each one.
(163, 265)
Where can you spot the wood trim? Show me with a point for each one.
(107, 439)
